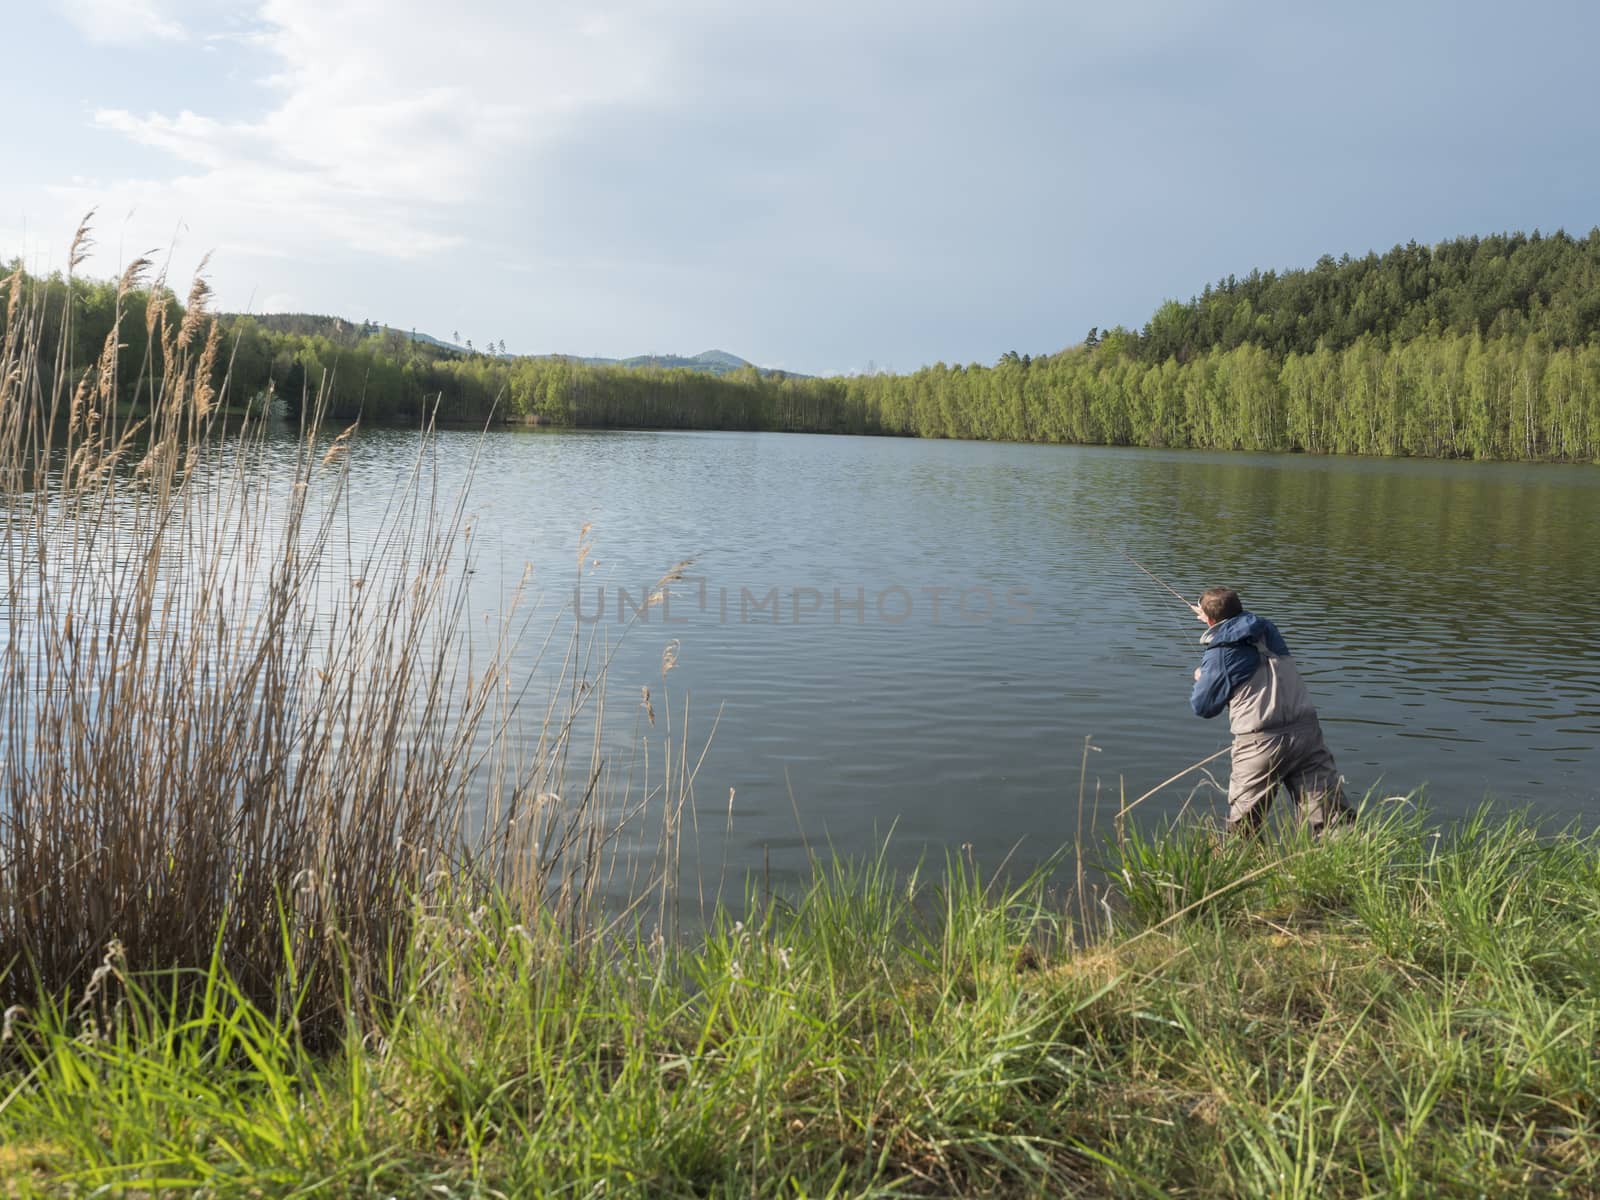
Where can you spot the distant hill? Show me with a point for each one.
(343, 332)
(349, 333)
(432, 341)
(709, 362)
(713, 362)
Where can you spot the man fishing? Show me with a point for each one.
(1277, 739)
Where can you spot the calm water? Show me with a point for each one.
(1445, 615)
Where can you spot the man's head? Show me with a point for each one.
(1220, 603)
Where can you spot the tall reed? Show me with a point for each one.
(225, 725)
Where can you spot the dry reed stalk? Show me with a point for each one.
(217, 734)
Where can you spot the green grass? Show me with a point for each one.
(1392, 1013)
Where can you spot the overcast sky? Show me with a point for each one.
(825, 187)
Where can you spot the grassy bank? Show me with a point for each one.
(1399, 1012)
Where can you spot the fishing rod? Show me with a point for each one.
(1156, 577)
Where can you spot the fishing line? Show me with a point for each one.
(1154, 576)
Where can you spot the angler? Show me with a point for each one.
(1277, 739)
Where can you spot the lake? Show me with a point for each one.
(920, 636)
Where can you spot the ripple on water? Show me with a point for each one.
(954, 731)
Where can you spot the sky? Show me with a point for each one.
(834, 187)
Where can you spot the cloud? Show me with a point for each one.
(606, 173)
(378, 126)
(125, 22)
(573, 132)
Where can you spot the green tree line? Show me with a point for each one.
(1444, 395)
(93, 306)
(1479, 348)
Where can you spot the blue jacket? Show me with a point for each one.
(1231, 659)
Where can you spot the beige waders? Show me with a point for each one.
(1295, 757)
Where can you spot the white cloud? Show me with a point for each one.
(125, 22)
(188, 137)
(380, 126)
(403, 129)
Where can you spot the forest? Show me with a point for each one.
(1474, 348)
